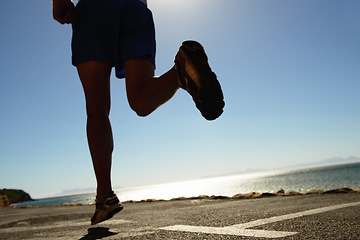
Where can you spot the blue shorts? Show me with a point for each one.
(113, 30)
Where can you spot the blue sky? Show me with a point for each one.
(290, 72)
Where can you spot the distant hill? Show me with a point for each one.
(326, 162)
(15, 195)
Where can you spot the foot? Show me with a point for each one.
(106, 209)
(197, 78)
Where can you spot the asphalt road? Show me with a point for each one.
(323, 216)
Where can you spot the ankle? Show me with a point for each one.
(102, 195)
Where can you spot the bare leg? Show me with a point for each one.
(95, 79)
(144, 91)
(145, 94)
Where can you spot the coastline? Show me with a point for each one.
(296, 181)
(251, 195)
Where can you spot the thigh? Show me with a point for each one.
(95, 79)
(138, 72)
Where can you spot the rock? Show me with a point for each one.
(255, 195)
(246, 195)
(199, 197)
(4, 201)
(315, 191)
(238, 196)
(267, 194)
(72, 204)
(292, 193)
(178, 198)
(218, 197)
(251, 195)
(340, 190)
(149, 200)
(281, 192)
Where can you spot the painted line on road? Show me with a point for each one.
(241, 229)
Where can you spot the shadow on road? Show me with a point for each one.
(97, 233)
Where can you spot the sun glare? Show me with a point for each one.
(180, 8)
(174, 5)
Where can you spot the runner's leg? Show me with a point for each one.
(144, 91)
(95, 79)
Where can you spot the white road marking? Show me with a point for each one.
(241, 229)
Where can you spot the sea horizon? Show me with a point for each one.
(301, 180)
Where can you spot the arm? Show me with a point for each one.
(64, 11)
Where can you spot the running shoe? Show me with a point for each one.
(197, 78)
(107, 209)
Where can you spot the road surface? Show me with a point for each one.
(319, 216)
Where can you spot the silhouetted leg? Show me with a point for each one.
(144, 91)
(95, 79)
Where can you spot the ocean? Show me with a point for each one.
(300, 180)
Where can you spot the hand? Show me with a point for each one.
(64, 11)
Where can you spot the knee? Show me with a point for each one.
(140, 110)
(140, 107)
(96, 111)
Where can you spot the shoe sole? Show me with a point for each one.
(202, 82)
(110, 214)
